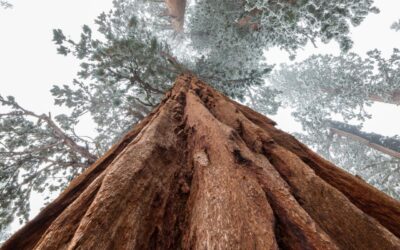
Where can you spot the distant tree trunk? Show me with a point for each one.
(384, 144)
(204, 172)
(247, 20)
(393, 98)
(176, 10)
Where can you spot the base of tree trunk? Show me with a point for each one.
(204, 172)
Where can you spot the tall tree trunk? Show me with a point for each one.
(384, 144)
(204, 172)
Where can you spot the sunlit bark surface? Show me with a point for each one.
(204, 172)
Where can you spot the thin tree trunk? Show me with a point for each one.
(394, 98)
(204, 172)
(386, 145)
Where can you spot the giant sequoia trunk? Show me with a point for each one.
(204, 172)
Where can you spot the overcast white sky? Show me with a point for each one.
(29, 64)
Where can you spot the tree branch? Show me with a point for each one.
(56, 131)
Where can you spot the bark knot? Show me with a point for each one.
(201, 158)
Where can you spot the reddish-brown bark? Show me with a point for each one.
(247, 20)
(176, 11)
(394, 98)
(365, 142)
(204, 172)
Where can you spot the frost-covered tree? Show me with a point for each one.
(123, 74)
(229, 53)
(325, 85)
(373, 166)
(241, 66)
(396, 25)
(5, 4)
(291, 24)
(387, 77)
(37, 153)
(286, 24)
(4, 235)
(233, 74)
(263, 99)
(164, 18)
(385, 144)
(231, 36)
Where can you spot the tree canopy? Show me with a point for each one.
(324, 88)
(325, 85)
